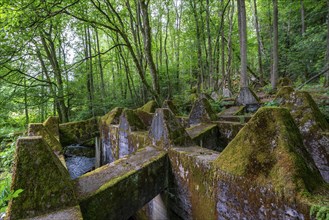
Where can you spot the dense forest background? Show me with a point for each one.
(78, 59)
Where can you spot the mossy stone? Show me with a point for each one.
(38, 129)
(246, 97)
(269, 150)
(112, 117)
(201, 112)
(79, 132)
(46, 183)
(166, 131)
(52, 124)
(169, 104)
(149, 107)
(284, 81)
(129, 120)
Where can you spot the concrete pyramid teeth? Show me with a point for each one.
(129, 120)
(169, 104)
(269, 150)
(201, 112)
(149, 107)
(166, 131)
(46, 183)
(52, 124)
(311, 123)
(246, 97)
(112, 117)
(38, 129)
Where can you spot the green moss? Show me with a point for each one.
(46, 183)
(52, 124)
(201, 112)
(112, 117)
(38, 129)
(135, 123)
(284, 81)
(78, 132)
(269, 150)
(149, 107)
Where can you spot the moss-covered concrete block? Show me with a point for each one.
(145, 117)
(207, 136)
(120, 189)
(201, 112)
(229, 129)
(284, 81)
(78, 132)
(52, 124)
(191, 185)
(72, 213)
(112, 117)
(46, 183)
(166, 131)
(311, 123)
(149, 107)
(169, 104)
(269, 150)
(38, 129)
(246, 97)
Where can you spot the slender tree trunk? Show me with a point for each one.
(166, 53)
(146, 32)
(302, 15)
(198, 38)
(243, 42)
(259, 45)
(26, 106)
(223, 44)
(101, 73)
(326, 84)
(230, 50)
(275, 73)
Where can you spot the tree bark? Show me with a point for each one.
(259, 45)
(326, 83)
(275, 73)
(146, 32)
(243, 42)
(302, 15)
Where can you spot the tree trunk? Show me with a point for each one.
(210, 59)
(326, 84)
(302, 15)
(101, 74)
(243, 42)
(259, 45)
(275, 73)
(146, 32)
(198, 38)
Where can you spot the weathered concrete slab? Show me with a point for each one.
(246, 97)
(169, 104)
(166, 131)
(73, 213)
(52, 124)
(38, 129)
(46, 183)
(229, 129)
(311, 123)
(78, 132)
(149, 107)
(201, 112)
(207, 136)
(191, 183)
(119, 189)
(234, 118)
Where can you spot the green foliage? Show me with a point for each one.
(271, 103)
(319, 212)
(5, 193)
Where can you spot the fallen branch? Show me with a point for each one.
(314, 77)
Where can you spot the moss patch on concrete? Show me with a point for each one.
(170, 104)
(201, 112)
(134, 123)
(149, 107)
(78, 132)
(270, 151)
(38, 129)
(112, 117)
(46, 183)
(52, 124)
(166, 131)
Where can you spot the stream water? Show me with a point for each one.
(79, 160)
